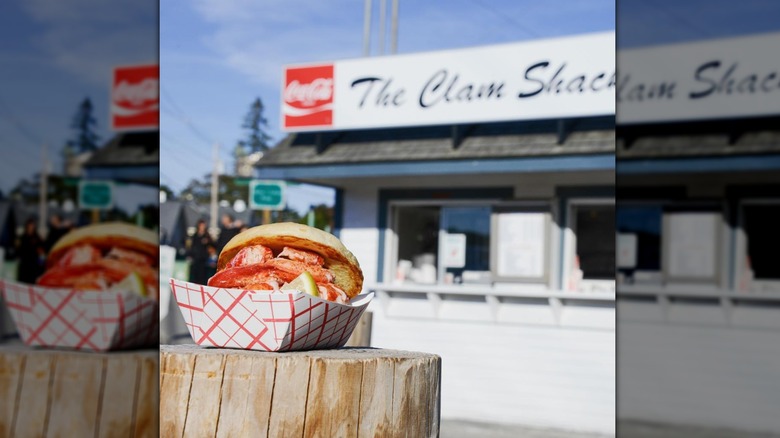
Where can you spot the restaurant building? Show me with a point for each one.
(476, 189)
(698, 159)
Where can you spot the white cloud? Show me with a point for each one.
(87, 38)
(256, 39)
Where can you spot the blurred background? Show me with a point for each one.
(697, 203)
(78, 124)
(487, 234)
(78, 146)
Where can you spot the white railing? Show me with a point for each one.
(712, 307)
(486, 290)
(496, 303)
(672, 292)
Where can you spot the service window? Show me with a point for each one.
(470, 243)
(638, 242)
(464, 245)
(758, 260)
(590, 246)
(417, 243)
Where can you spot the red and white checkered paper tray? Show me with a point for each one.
(257, 320)
(84, 320)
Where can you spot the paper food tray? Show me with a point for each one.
(84, 320)
(290, 321)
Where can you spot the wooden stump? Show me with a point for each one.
(349, 392)
(58, 393)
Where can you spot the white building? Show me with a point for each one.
(480, 204)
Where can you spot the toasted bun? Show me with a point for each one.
(338, 259)
(105, 236)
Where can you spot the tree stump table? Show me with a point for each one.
(61, 393)
(348, 392)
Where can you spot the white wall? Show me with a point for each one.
(359, 230)
(539, 375)
(521, 367)
(700, 364)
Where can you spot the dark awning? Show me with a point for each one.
(132, 157)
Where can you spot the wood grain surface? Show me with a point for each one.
(58, 393)
(348, 392)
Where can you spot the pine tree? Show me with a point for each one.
(86, 140)
(257, 138)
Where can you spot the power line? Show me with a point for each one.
(12, 120)
(188, 153)
(170, 100)
(505, 17)
(183, 117)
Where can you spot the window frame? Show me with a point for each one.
(552, 237)
(549, 269)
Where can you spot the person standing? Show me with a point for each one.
(198, 253)
(57, 229)
(30, 248)
(227, 231)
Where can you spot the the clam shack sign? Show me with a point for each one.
(553, 78)
(733, 77)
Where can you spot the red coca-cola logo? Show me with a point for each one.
(308, 96)
(135, 97)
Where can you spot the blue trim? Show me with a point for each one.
(443, 167)
(338, 212)
(564, 195)
(742, 163)
(385, 196)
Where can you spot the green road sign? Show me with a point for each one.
(96, 195)
(266, 195)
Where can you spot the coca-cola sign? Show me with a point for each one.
(135, 98)
(308, 96)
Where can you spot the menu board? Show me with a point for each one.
(692, 245)
(521, 250)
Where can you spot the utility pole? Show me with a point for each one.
(214, 189)
(367, 16)
(367, 28)
(43, 190)
(382, 19)
(394, 28)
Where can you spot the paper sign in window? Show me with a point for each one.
(454, 254)
(521, 249)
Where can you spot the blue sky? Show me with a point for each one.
(217, 56)
(54, 53)
(656, 22)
